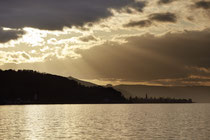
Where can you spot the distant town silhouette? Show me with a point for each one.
(31, 87)
(157, 100)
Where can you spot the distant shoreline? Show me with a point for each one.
(25, 87)
(91, 104)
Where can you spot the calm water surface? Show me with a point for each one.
(134, 121)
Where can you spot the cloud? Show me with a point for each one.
(149, 58)
(54, 14)
(165, 1)
(26, 56)
(203, 4)
(7, 35)
(163, 17)
(88, 38)
(158, 17)
(138, 5)
(141, 23)
(172, 59)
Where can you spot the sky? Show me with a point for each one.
(151, 42)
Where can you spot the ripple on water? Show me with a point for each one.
(134, 121)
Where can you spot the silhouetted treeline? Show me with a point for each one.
(158, 100)
(31, 87)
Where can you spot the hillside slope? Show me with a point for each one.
(30, 87)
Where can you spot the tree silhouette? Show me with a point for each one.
(27, 86)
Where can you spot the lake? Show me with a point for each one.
(106, 121)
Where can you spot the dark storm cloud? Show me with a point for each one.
(7, 35)
(163, 17)
(203, 4)
(165, 1)
(141, 23)
(55, 14)
(158, 17)
(138, 6)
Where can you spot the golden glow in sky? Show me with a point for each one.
(76, 46)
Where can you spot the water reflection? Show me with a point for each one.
(143, 121)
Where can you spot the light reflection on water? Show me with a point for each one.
(134, 121)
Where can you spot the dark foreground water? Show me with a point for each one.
(93, 122)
